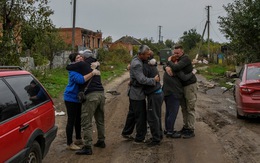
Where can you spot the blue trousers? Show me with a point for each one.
(172, 108)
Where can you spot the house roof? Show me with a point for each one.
(128, 40)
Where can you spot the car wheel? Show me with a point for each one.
(35, 154)
(240, 116)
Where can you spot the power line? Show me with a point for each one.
(216, 33)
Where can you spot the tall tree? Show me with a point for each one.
(14, 15)
(242, 27)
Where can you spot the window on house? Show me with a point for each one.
(83, 41)
(93, 41)
(98, 42)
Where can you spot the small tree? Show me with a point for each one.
(190, 39)
(49, 45)
(108, 39)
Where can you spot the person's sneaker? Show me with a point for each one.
(128, 137)
(100, 144)
(153, 143)
(183, 131)
(139, 141)
(84, 151)
(176, 135)
(165, 132)
(73, 147)
(78, 142)
(188, 134)
(169, 134)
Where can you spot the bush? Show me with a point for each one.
(115, 57)
(39, 59)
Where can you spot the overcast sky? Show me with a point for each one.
(141, 18)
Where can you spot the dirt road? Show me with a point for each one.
(220, 137)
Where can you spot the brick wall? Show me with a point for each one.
(83, 37)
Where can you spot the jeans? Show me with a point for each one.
(74, 120)
(172, 108)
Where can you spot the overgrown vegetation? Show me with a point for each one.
(217, 73)
(241, 27)
(27, 30)
(113, 63)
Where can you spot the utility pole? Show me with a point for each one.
(208, 23)
(73, 26)
(204, 30)
(160, 33)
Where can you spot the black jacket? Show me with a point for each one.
(172, 86)
(150, 71)
(84, 68)
(184, 64)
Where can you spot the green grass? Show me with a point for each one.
(108, 73)
(56, 80)
(216, 72)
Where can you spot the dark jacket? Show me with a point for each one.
(172, 86)
(84, 68)
(150, 71)
(184, 64)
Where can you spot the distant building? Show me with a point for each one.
(126, 41)
(84, 38)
